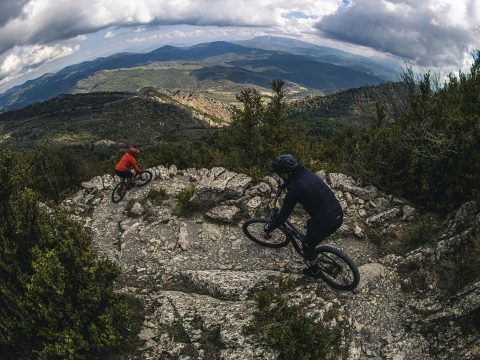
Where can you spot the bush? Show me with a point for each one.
(259, 133)
(157, 196)
(56, 298)
(287, 329)
(430, 154)
(184, 203)
(424, 232)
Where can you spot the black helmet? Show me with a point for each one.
(285, 164)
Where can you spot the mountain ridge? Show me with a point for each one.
(64, 81)
(382, 68)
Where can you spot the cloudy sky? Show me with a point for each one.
(38, 36)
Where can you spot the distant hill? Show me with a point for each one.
(112, 118)
(218, 61)
(352, 107)
(373, 66)
(99, 118)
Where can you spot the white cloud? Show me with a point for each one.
(12, 63)
(44, 21)
(431, 33)
(80, 38)
(203, 33)
(438, 33)
(25, 59)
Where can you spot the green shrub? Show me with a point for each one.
(416, 276)
(378, 238)
(423, 232)
(157, 196)
(287, 329)
(184, 204)
(430, 153)
(56, 298)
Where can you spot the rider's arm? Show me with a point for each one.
(135, 165)
(287, 208)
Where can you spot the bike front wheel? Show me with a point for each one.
(119, 192)
(144, 178)
(337, 269)
(254, 230)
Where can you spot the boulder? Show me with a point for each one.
(260, 189)
(95, 184)
(137, 209)
(254, 203)
(108, 182)
(347, 184)
(380, 204)
(161, 172)
(321, 174)
(224, 213)
(383, 217)
(358, 231)
(408, 212)
(219, 185)
(172, 170)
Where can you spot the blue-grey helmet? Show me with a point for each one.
(285, 164)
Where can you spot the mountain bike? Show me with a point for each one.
(123, 186)
(336, 268)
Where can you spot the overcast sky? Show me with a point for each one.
(38, 36)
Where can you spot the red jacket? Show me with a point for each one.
(126, 162)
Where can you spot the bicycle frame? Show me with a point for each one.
(291, 231)
(293, 235)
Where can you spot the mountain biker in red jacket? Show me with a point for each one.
(122, 169)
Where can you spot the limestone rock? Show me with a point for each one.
(183, 237)
(408, 212)
(137, 209)
(358, 231)
(95, 184)
(346, 183)
(220, 185)
(224, 213)
(172, 170)
(198, 279)
(230, 285)
(321, 174)
(383, 217)
(254, 203)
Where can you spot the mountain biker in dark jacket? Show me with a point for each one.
(318, 200)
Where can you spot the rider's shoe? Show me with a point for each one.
(312, 263)
(312, 271)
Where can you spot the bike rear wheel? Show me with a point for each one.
(337, 269)
(119, 192)
(144, 178)
(253, 229)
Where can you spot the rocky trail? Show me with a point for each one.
(197, 274)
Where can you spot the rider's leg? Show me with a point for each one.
(129, 176)
(315, 235)
(317, 231)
